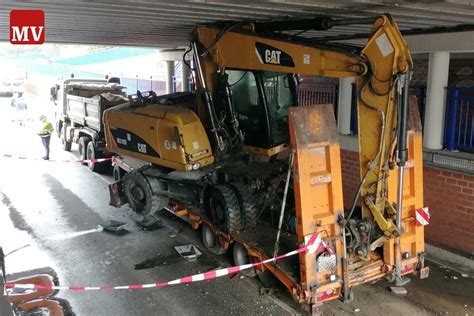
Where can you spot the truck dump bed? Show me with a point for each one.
(85, 102)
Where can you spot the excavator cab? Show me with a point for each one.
(260, 101)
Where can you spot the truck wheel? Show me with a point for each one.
(211, 241)
(118, 173)
(59, 126)
(241, 257)
(82, 148)
(139, 194)
(91, 154)
(248, 207)
(65, 144)
(224, 208)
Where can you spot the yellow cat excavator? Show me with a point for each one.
(221, 157)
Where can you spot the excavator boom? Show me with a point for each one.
(379, 67)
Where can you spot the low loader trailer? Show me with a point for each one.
(260, 175)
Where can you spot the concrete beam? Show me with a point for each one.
(455, 42)
(445, 42)
(176, 55)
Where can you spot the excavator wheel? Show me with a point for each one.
(225, 209)
(139, 194)
(82, 148)
(248, 207)
(211, 241)
(118, 173)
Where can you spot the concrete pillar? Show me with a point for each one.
(185, 74)
(438, 71)
(344, 105)
(169, 76)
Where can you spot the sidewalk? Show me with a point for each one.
(450, 260)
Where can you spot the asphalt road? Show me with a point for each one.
(53, 210)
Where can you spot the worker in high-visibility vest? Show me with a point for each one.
(45, 131)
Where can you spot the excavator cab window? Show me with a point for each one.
(261, 101)
(279, 97)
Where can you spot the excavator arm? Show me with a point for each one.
(380, 68)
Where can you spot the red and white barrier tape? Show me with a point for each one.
(52, 160)
(312, 245)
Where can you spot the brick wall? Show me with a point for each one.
(461, 72)
(449, 196)
(420, 72)
(350, 176)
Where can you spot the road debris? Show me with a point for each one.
(398, 290)
(148, 222)
(188, 252)
(266, 291)
(115, 227)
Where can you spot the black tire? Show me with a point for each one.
(225, 209)
(248, 207)
(242, 257)
(211, 241)
(82, 148)
(65, 144)
(118, 173)
(92, 154)
(59, 126)
(139, 194)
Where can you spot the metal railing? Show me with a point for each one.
(418, 91)
(309, 95)
(459, 126)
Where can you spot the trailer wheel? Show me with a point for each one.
(82, 148)
(211, 241)
(65, 144)
(139, 194)
(224, 208)
(241, 257)
(248, 207)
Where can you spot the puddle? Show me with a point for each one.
(159, 261)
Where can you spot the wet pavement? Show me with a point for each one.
(52, 211)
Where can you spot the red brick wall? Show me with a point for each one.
(350, 176)
(449, 196)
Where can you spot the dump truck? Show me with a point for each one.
(261, 176)
(80, 104)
